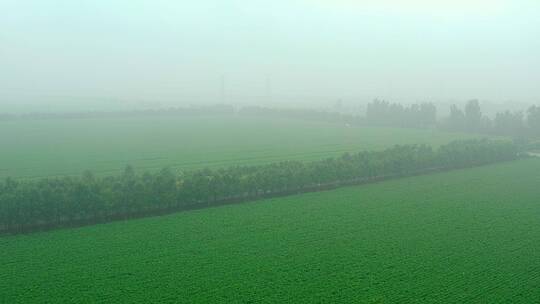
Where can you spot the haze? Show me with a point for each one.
(280, 151)
(64, 55)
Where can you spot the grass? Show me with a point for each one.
(31, 149)
(466, 236)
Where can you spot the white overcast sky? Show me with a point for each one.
(180, 50)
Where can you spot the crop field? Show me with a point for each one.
(40, 148)
(461, 236)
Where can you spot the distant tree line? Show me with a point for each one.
(27, 205)
(305, 114)
(515, 124)
(378, 113)
(470, 119)
(172, 111)
(383, 113)
(423, 115)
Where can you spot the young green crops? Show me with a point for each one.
(38, 148)
(461, 236)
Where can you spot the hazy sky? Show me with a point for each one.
(163, 50)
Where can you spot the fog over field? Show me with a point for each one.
(286, 151)
(121, 54)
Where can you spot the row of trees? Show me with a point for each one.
(305, 114)
(423, 115)
(59, 201)
(380, 112)
(172, 111)
(469, 119)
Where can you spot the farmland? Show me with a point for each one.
(39, 148)
(460, 236)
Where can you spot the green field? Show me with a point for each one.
(68, 147)
(461, 236)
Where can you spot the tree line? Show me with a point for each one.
(304, 114)
(27, 205)
(383, 113)
(218, 109)
(469, 119)
(519, 124)
(516, 124)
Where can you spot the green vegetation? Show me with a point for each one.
(455, 237)
(50, 202)
(518, 125)
(37, 148)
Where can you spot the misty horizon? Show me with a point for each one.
(120, 54)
